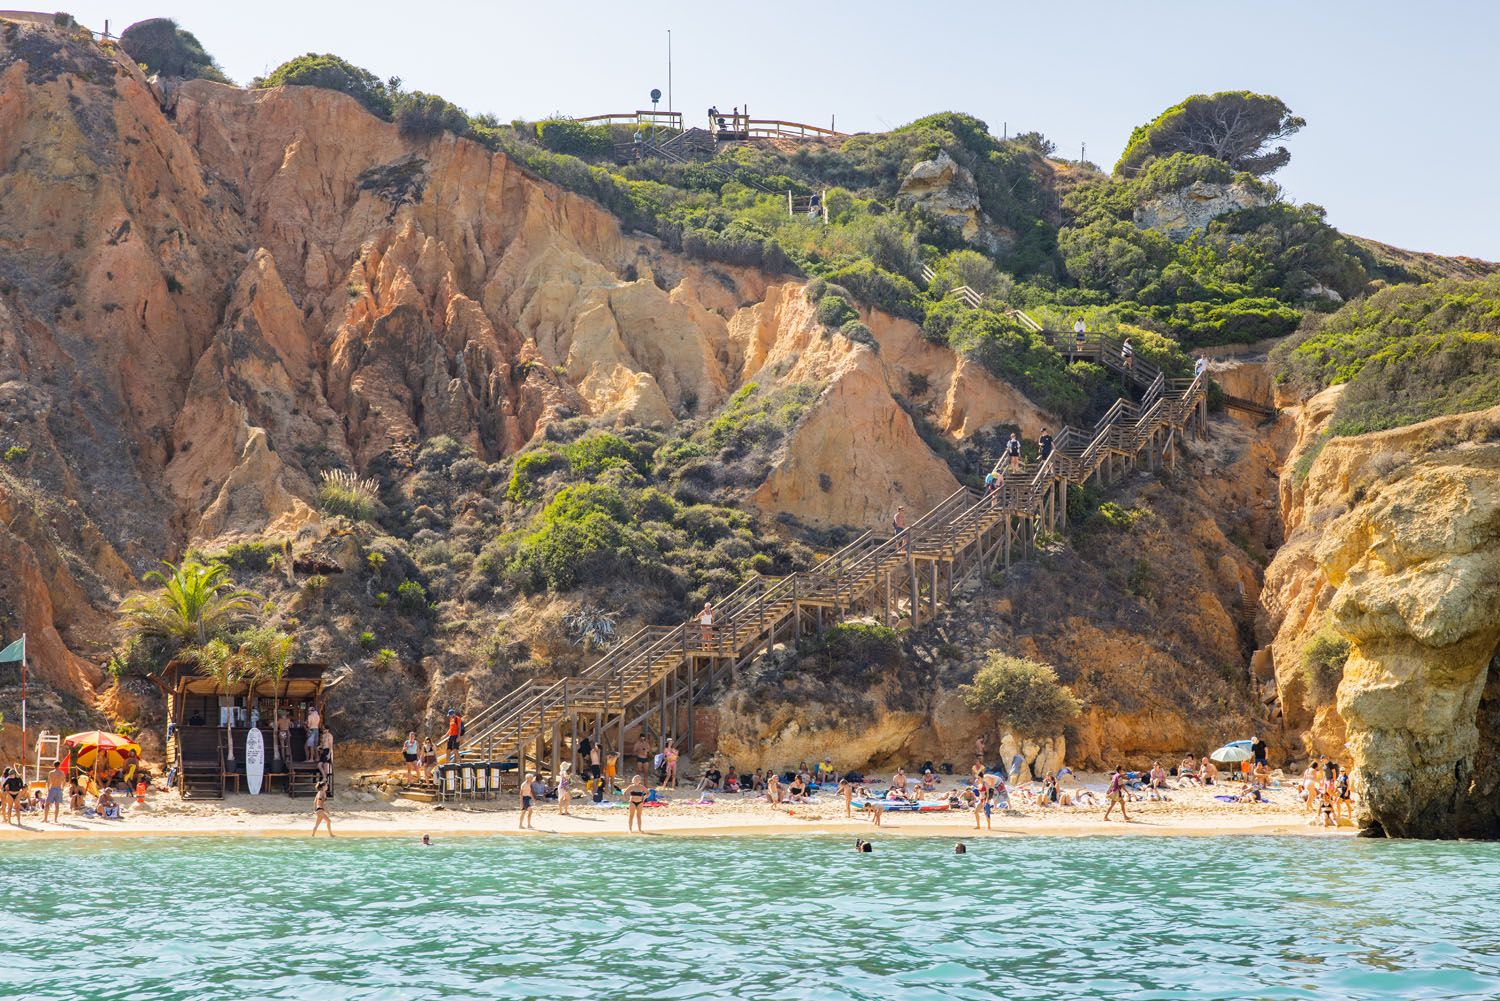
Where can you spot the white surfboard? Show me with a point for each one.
(255, 760)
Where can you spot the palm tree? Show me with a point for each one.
(268, 653)
(197, 602)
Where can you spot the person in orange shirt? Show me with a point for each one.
(455, 730)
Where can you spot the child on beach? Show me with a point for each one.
(846, 791)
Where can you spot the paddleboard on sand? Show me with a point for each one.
(255, 760)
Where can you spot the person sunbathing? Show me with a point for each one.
(773, 789)
(929, 780)
(1208, 772)
(798, 791)
(894, 795)
(1187, 771)
(106, 806)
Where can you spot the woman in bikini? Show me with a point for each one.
(564, 794)
(635, 798)
(320, 809)
(669, 755)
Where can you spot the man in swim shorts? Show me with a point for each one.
(55, 779)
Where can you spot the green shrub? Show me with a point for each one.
(874, 286)
(367, 640)
(1323, 660)
(418, 114)
(834, 311)
(343, 493)
(528, 470)
(1022, 693)
(1115, 516)
(162, 47)
(385, 658)
(332, 73)
(411, 597)
(592, 454)
(16, 453)
(564, 135)
(854, 650)
(254, 556)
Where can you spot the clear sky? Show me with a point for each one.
(1400, 98)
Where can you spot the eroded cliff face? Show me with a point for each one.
(1149, 623)
(1394, 546)
(202, 309)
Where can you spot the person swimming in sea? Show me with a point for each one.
(861, 845)
(960, 848)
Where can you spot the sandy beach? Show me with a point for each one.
(358, 813)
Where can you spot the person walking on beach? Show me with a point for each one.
(526, 800)
(320, 809)
(1013, 452)
(983, 803)
(635, 805)
(846, 792)
(55, 779)
(1116, 794)
(411, 753)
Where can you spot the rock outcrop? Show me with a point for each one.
(946, 189)
(1394, 546)
(1189, 210)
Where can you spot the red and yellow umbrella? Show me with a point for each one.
(95, 747)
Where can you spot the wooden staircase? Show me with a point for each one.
(200, 762)
(902, 579)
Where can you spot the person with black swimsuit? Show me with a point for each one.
(635, 795)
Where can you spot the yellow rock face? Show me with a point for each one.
(1396, 547)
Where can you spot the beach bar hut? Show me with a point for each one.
(208, 724)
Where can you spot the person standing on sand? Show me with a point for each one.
(10, 789)
(320, 809)
(983, 803)
(669, 761)
(429, 758)
(846, 790)
(564, 793)
(526, 801)
(979, 750)
(1116, 794)
(596, 769)
(876, 809)
(55, 779)
(411, 753)
(635, 805)
(642, 754)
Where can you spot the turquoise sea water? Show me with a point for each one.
(778, 917)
